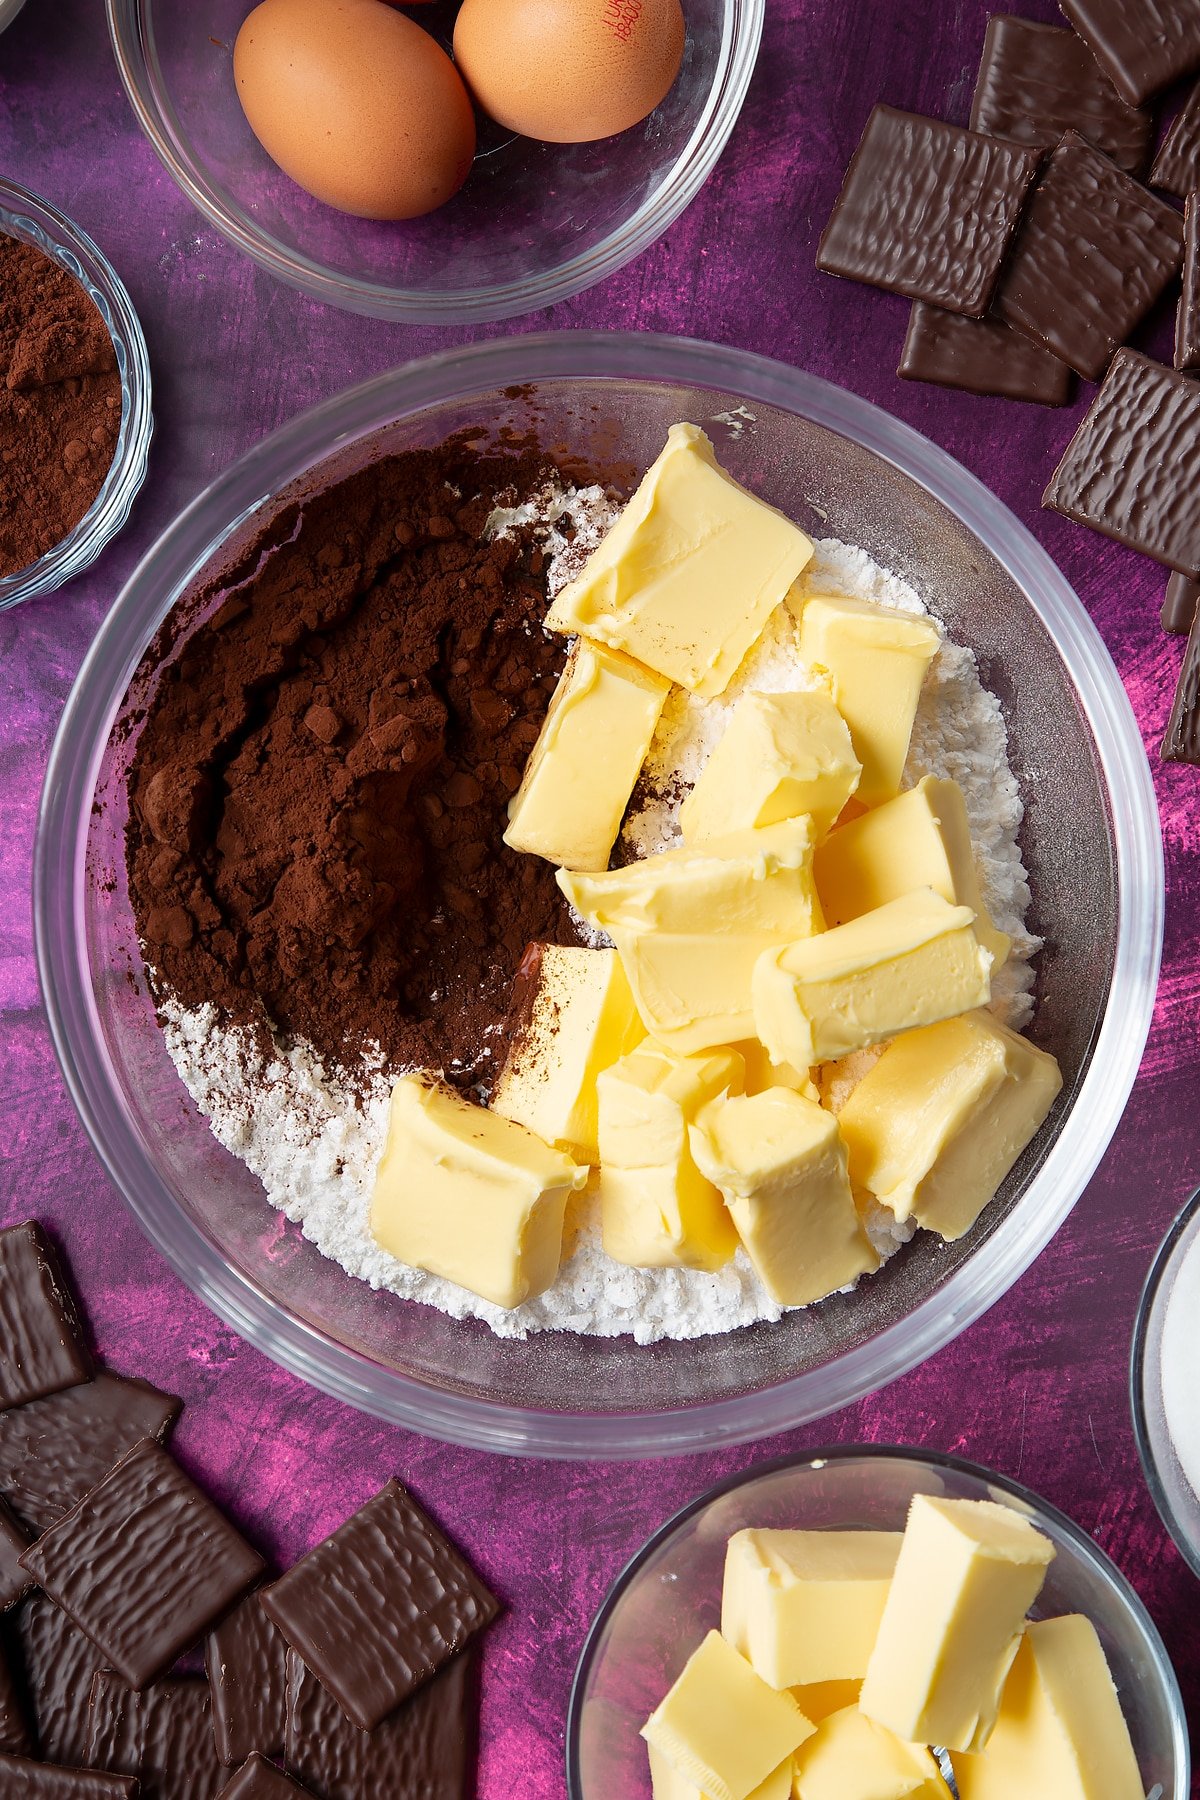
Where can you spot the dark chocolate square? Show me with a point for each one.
(1094, 252)
(1037, 81)
(1132, 470)
(927, 209)
(1177, 165)
(1143, 45)
(380, 1606)
(163, 1735)
(258, 1779)
(1179, 604)
(1182, 740)
(1187, 313)
(59, 1663)
(54, 1451)
(981, 356)
(246, 1659)
(41, 1346)
(21, 1779)
(143, 1564)
(16, 1739)
(425, 1751)
(15, 1582)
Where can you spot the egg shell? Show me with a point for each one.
(357, 103)
(569, 71)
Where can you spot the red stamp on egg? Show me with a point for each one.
(621, 17)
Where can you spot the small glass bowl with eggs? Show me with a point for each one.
(443, 160)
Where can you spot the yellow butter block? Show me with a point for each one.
(909, 963)
(762, 1073)
(588, 755)
(689, 574)
(1060, 1733)
(573, 1015)
(850, 1757)
(817, 1699)
(804, 1606)
(968, 1572)
(935, 1126)
(656, 1208)
(666, 1782)
(920, 839)
(781, 755)
(780, 1163)
(875, 660)
(470, 1196)
(721, 1726)
(690, 925)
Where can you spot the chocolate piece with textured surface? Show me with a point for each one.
(1132, 470)
(163, 1735)
(1187, 313)
(380, 1606)
(21, 1779)
(1144, 45)
(40, 1340)
(1093, 254)
(1182, 740)
(54, 1451)
(1177, 164)
(59, 1663)
(15, 1582)
(15, 1736)
(927, 209)
(1179, 604)
(143, 1564)
(246, 1659)
(1037, 81)
(425, 1751)
(261, 1780)
(981, 356)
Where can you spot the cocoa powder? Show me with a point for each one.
(319, 791)
(60, 403)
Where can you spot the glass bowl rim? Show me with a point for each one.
(1088, 1550)
(1151, 1291)
(53, 230)
(742, 29)
(59, 875)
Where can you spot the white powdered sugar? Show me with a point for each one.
(313, 1135)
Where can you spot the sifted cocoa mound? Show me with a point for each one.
(319, 791)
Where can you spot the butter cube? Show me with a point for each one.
(721, 1726)
(689, 574)
(588, 755)
(780, 1163)
(762, 1073)
(804, 1606)
(817, 1699)
(920, 839)
(876, 661)
(935, 1126)
(781, 755)
(850, 1757)
(667, 1783)
(690, 925)
(656, 1208)
(967, 1573)
(909, 963)
(470, 1196)
(572, 1016)
(1060, 1733)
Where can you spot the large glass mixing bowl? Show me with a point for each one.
(1090, 839)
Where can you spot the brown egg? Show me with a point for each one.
(569, 71)
(357, 103)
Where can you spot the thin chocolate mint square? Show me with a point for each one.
(162, 1735)
(15, 1582)
(1182, 740)
(1187, 313)
(246, 1660)
(1037, 81)
(1179, 604)
(1094, 252)
(1143, 45)
(41, 1345)
(378, 1608)
(424, 1751)
(927, 209)
(1132, 470)
(23, 1779)
(1177, 164)
(143, 1564)
(59, 1664)
(981, 356)
(16, 1739)
(258, 1779)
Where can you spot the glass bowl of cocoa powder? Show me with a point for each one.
(284, 612)
(76, 402)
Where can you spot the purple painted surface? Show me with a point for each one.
(1037, 1388)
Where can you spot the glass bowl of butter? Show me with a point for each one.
(875, 496)
(874, 1619)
